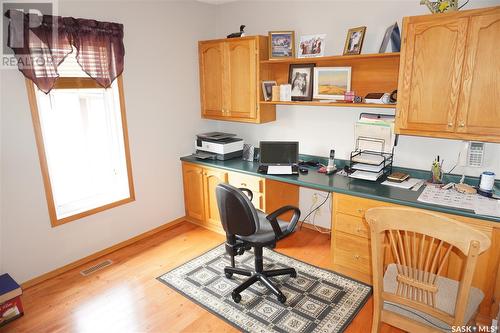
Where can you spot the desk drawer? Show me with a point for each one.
(352, 252)
(352, 225)
(258, 201)
(355, 206)
(254, 184)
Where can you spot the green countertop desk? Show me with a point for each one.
(344, 185)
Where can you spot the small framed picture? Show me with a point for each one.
(392, 35)
(354, 40)
(312, 46)
(281, 44)
(267, 89)
(331, 82)
(300, 77)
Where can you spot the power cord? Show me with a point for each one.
(314, 210)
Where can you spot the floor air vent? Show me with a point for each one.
(96, 267)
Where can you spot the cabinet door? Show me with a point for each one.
(479, 107)
(211, 78)
(431, 65)
(211, 179)
(193, 191)
(241, 78)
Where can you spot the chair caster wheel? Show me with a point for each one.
(228, 275)
(293, 275)
(236, 297)
(282, 299)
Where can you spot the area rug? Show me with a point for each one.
(318, 300)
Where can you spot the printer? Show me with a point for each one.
(218, 146)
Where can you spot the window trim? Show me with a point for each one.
(72, 83)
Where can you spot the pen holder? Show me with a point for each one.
(437, 173)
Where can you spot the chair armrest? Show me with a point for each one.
(272, 218)
(247, 192)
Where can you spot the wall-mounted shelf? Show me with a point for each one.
(332, 58)
(371, 73)
(340, 104)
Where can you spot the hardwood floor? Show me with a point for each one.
(126, 297)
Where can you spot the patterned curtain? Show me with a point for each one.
(41, 43)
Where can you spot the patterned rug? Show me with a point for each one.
(318, 300)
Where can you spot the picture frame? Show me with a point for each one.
(331, 82)
(267, 89)
(312, 46)
(393, 35)
(301, 79)
(281, 44)
(354, 41)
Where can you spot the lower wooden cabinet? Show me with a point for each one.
(351, 250)
(212, 178)
(193, 191)
(200, 200)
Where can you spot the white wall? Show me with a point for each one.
(320, 129)
(162, 99)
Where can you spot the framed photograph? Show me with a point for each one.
(391, 34)
(331, 82)
(300, 77)
(312, 46)
(281, 44)
(267, 89)
(354, 40)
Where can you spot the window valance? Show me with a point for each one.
(41, 43)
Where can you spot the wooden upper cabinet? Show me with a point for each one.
(432, 70)
(479, 107)
(230, 79)
(211, 78)
(448, 80)
(241, 78)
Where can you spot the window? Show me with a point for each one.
(82, 142)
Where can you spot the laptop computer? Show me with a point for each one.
(279, 157)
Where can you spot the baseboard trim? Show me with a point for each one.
(313, 227)
(98, 254)
(218, 230)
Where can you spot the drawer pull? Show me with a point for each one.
(243, 184)
(360, 210)
(356, 256)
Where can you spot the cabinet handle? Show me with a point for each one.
(356, 256)
(462, 124)
(450, 124)
(360, 210)
(358, 229)
(243, 184)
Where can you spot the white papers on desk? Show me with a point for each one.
(487, 206)
(451, 198)
(366, 158)
(367, 167)
(375, 134)
(365, 175)
(407, 184)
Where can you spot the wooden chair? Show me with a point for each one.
(412, 295)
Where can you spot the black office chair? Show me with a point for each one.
(247, 227)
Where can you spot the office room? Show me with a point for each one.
(255, 166)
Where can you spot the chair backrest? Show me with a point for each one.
(237, 213)
(420, 243)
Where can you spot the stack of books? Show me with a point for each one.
(11, 307)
